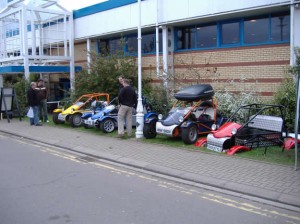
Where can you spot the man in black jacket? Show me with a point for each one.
(33, 102)
(42, 95)
(127, 100)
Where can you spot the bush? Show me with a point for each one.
(104, 74)
(157, 97)
(21, 85)
(286, 95)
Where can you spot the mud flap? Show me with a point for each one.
(237, 148)
(290, 143)
(201, 142)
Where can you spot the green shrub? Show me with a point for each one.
(287, 94)
(21, 85)
(104, 74)
(157, 97)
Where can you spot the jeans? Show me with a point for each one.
(125, 112)
(43, 113)
(35, 119)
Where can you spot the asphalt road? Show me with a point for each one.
(40, 184)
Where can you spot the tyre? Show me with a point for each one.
(108, 125)
(75, 120)
(55, 118)
(190, 134)
(149, 130)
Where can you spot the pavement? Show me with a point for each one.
(278, 185)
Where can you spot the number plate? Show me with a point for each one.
(214, 148)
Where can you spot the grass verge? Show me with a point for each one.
(274, 153)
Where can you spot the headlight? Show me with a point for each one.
(180, 119)
(214, 127)
(234, 131)
(160, 116)
(72, 109)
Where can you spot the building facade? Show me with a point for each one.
(237, 46)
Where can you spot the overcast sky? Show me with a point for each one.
(68, 4)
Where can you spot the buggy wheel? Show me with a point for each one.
(75, 120)
(107, 126)
(55, 118)
(190, 134)
(149, 130)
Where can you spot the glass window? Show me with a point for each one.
(103, 47)
(111, 46)
(256, 30)
(148, 43)
(132, 44)
(280, 28)
(207, 36)
(230, 33)
(115, 46)
(186, 38)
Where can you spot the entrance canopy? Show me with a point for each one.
(38, 69)
(35, 36)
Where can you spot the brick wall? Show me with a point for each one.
(256, 69)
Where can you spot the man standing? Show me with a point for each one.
(127, 100)
(33, 102)
(42, 95)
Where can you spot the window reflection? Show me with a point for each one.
(129, 44)
(231, 33)
(280, 28)
(186, 38)
(256, 30)
(207, 36)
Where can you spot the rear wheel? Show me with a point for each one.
(190, 134)
(55, 118)
(149, 130)
(108, 125)
(75, 120)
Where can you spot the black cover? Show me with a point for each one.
(195, 93)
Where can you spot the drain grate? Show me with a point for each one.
(86, 159)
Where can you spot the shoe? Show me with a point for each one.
(40, 121)
(38, 125)
(47, 121)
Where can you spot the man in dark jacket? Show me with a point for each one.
(127, 100)
(33, 102)
(42, 95)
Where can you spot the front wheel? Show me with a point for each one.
(107, 126)
(75, 120)
(55, 118)
(189, 135)
(149, 130)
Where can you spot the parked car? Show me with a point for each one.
(83, 104)
(193, 113)
(251, 126)
(107, 119)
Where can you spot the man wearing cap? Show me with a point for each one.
(42, 96)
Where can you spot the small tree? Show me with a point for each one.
(287, 93)
(104, 73)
